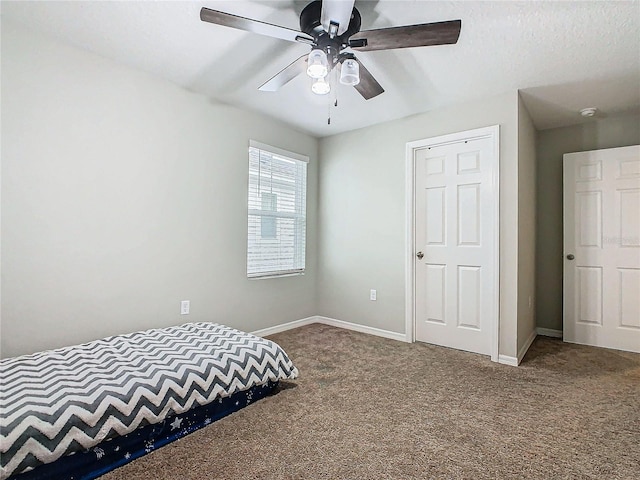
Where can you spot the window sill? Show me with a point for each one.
(277, 275)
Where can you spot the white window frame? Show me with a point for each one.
(252, 212)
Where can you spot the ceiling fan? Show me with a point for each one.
(332, 29)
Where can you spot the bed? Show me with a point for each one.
(78, 412)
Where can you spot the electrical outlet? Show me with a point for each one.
(184, 307)
(373, 295)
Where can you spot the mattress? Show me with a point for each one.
(115, 452)
(62, 401)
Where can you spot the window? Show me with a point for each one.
(277, 211)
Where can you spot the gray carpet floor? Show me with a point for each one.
(366, 407)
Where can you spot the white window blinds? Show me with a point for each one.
(277, 211)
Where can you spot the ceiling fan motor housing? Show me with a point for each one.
(311, 24)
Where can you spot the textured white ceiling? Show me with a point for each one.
(563, 55)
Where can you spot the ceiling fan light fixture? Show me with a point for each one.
(317, 64)
(329, 27)
(350, 72)
(320, 87)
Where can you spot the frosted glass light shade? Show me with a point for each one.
(317, 64)
(321, 87)
(350, 72)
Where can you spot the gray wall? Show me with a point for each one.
(361, 223)
(123, 194)
(526, 225)
(552, 144)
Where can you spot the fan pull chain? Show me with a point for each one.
(335, 90)
(330, 80)
(334, 87)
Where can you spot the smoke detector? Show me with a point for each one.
(588, 112)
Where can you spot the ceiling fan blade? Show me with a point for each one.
(336, 11)
(255, 26)
(422, 35)
(285, 75)
(368, 86)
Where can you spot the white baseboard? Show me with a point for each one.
(333, 323)
(285, 326)
(401, 337)
(515, 361)
(549, 332)
(507, 360)
(527, 344)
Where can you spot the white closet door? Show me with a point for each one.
(455, 270)
(602, 248)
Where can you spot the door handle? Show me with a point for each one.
(571, 256)
(420, 255)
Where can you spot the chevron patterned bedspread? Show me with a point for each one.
(61, 401)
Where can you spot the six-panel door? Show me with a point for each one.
(455, 229)
(602, 248)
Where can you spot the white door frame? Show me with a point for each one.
(410, 193)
